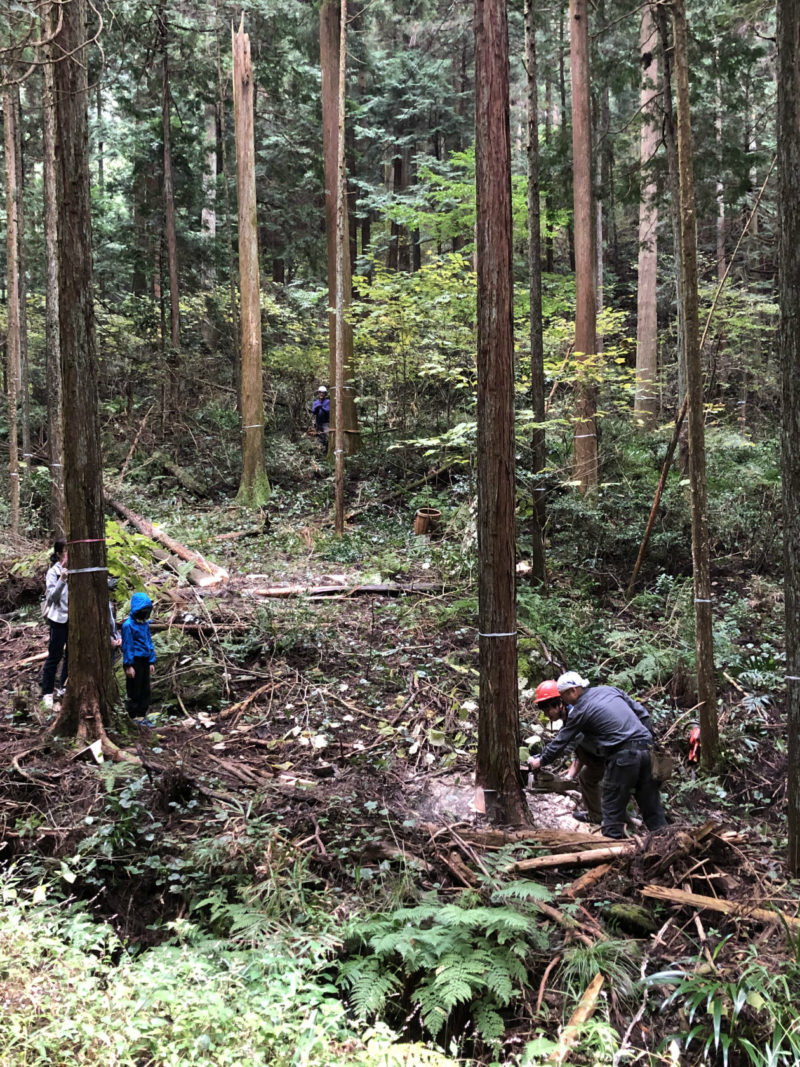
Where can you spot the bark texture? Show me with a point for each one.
(90, 689)
(585, 439)
(55, 434)
(498, 728)
(254, 486)
(329, 36)
(645, 406)
(538, 443)
(704, 640)
(13, 324)
(789, 295)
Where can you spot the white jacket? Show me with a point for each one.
(56, 595)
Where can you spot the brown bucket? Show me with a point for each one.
(426, 521)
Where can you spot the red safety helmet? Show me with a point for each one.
(546, 691)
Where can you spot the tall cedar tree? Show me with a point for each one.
(329, 37)
(254, 486)
(789, 290)
(538, 442)
(55, 431)
(498, 727)
(646, 402)
(90, 690)
(704, 639)
(585, 438)
(12, 283)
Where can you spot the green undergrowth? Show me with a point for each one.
(75, 994)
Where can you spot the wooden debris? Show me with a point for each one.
(682, 898)
(587, 880)
(496, 838)
(213, 573)
(382, 589)
(584, 1011)
(564, 859)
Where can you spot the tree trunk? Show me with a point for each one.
(170, 231)
(24, 375)
(788, 136)
(342, 253)
(208, 218)
(236, 366)
(645, 408)
(330, 65)
(671, 148)
(497, 771)
(254, 486)
(90, 688)
(704, 640)
(538, 443)
(55, 433)
(13, 324)
(585, 438)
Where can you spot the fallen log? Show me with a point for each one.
(587, 880)
(213, 573)
(576, 840)
(383, 589)
(565, 859)
(584, 1011)
(682, 898)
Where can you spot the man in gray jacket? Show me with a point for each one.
(619, 728)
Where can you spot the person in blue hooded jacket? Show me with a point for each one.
(138, 655)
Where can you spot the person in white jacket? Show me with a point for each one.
(56, 613)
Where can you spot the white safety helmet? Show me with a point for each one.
(322, 389)
(571, 680)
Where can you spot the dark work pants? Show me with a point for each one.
(590, 777)
(628, 771)
(137, 689)
(56, 648)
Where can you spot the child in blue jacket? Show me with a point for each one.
(138, 655)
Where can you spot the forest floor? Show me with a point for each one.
(348, 721)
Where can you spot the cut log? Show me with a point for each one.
(587, 880)
(682, 898)
(383, 589)
(212, 573)
(565, 859)
(575, 840)
(584, 1011)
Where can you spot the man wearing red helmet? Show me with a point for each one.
(588, 766)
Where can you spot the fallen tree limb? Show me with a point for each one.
(572, 839)
(682, 898)
(383, 589)
(584, 1011)
(587, 880)
(564, 859)
(213, 573)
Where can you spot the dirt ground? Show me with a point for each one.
(358, 739)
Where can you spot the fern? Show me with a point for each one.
(369, 988)
(465, 954)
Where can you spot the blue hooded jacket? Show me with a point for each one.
(136, 639)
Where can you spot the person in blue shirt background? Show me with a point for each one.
(321, 410)
(138, 656)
